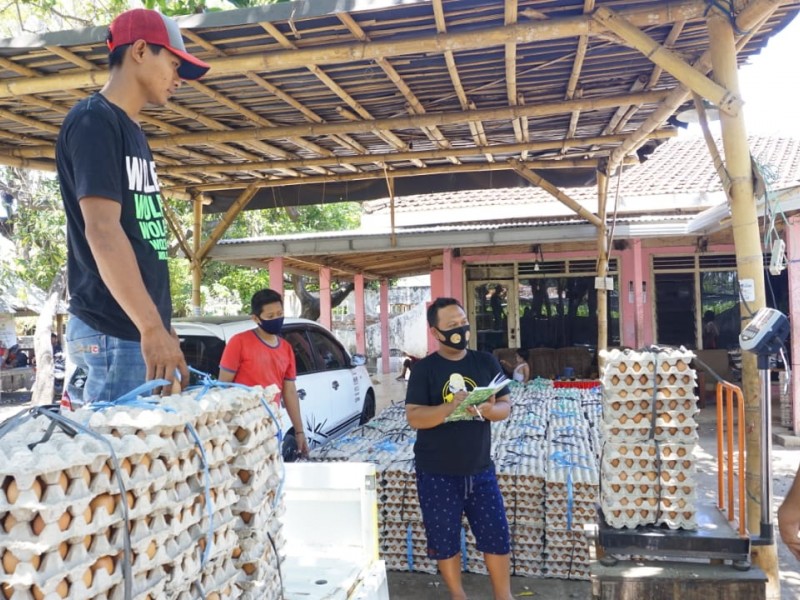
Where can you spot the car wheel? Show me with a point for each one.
(369, 408)
(289, 449)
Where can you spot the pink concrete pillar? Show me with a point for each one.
(647, 301)
(325, 318)
(792, 238)
(447, 266)
(632, 285)
(384, 301)
(457, 278)
(361, 320)
(276, 274)
(437, 291)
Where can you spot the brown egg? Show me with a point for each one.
(9, 522)
(125, 465)
(38, 488)
(87, 542)
(130, 498)
(244, 475)
(249, 568)
(87, 515)
(38, 594)
(86, 475)
(63, 481)
(62, 589)
(213, 596)
(11, 490)
(64, 521)
(88, 578)
(145, 461)
(63, 549)
(104, 562)
(151, 549)
(38, 524)
(10, 562)
(236, 552)
(5, 591)
(106, 501)
(240, 433)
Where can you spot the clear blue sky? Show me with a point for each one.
(770, 85)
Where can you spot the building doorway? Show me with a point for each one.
(492, 312)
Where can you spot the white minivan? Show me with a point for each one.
(334, 389)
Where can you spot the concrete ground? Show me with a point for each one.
(416, 586)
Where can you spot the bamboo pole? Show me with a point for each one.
(436, 154)
(197, 264)
(693, 79)
(282, 60)
(719, 165)
(749, 267)
(378, 174)
(410, 121)
(749, 20)
(233, 211)
(602, 264)
(525, 172)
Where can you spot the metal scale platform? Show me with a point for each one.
(714, 538)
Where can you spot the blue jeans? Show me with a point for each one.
(113, 366)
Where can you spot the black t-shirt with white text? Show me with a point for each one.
(102, 152)
(459, 447)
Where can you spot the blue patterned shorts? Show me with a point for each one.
(444, 499)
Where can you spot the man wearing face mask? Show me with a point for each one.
(260, 356)
(455, 473)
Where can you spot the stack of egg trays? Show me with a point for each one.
(257, 472)
(61, 515)
(572, 490)
(196, 497)
(636, 489)
(520, 461)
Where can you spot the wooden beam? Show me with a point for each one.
(409, 122)
(574, 76)
(436, 154)
(528, 32)
(692, 78)
(535, 179)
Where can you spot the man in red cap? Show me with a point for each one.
(119, 330)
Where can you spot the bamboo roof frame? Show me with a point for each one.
(336, 93)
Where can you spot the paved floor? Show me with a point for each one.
(415, 586)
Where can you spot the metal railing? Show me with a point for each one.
(728, 395)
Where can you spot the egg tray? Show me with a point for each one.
(647, 358)
(563, 518)
(587, 493)
(567, 570)
(642, 404)
(686, 434)
(259, 550)
(419, 564)
(269, 589)
(60, 583)
(583, 474)
(527, 568)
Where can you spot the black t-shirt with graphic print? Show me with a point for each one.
(102, 152)
(460, 447)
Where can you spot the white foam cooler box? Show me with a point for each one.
(331, 532)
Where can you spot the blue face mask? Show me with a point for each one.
(271, 326)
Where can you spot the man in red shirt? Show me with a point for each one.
(260, 356)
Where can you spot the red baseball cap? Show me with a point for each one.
(155, 28)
